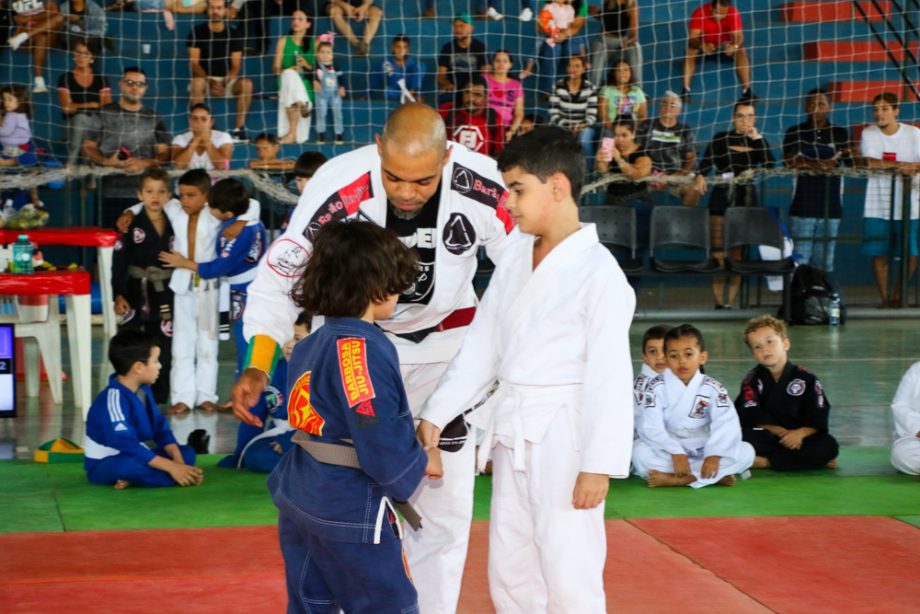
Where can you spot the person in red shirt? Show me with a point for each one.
(716, 28)
(474, 125)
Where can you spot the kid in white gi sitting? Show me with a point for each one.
(356, 456)
(782, 406)
(653, 364)
(689, 432)
(905, 451)
(125, 415)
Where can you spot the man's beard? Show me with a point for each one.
(402, 214)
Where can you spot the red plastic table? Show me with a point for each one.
(75, 287)
(102, 239)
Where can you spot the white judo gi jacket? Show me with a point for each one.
(557, 340)
(471, 213)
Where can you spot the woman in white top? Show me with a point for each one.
(202, 146)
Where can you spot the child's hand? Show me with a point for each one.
(428, 434)
(590, 490)
(710, 467)
(121, 305)
(342, 91)
(434, 470)
(792, 439)
(123, 224)
(172, 260)
(277, 447)
(186, 475)
(681, 465)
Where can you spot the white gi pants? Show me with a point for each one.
(437, 553)
(544, 555)
(193, 378)
(905, 454)
(293, 91)
(645, 458)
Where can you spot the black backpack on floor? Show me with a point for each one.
(813, 291)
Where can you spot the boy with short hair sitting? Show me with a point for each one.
(125, 415)
(653, 365)
(782, 406)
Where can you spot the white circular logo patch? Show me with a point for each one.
(795, 388)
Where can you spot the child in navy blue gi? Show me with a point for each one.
(240, 244)
(339, 533)
(125, 415)
(259, 448)
(782, 406)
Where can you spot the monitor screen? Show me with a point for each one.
(7, 371)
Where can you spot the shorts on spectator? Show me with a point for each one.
(878, 233)
(228, 89)
(25, 155)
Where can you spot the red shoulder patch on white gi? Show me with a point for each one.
(356, 379)
(301, 414)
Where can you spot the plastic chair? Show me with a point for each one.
(749, 227)
(40, 328)
(681, 227)
(616, 228)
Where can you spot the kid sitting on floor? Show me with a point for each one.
(125, 415)
(782, 406)
(689, 432)
(653, 365)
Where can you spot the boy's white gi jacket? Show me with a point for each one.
(906, 404)
(697, 419)
(557, 340)
(471, 213)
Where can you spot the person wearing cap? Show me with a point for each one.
(670, 144)
(460, 59)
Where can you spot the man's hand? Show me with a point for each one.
(245, 393)
(590, 490)
(137, 165)
(216, 87)
(123, 223)
(428, 434)
(710, 467)
(113, 161)
(681, 465)
(708, 48)
(186, 475)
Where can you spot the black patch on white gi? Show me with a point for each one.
(473, 185)
(459, 234)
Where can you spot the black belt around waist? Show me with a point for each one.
(456, 319)
(346, 456)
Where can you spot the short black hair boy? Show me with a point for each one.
(197, 177)
(545, 151)
(128, 347)
(229, 196)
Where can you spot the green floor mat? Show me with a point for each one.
(914, 520)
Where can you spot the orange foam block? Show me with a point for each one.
(863, 91)
(818, 12)
(855, 51)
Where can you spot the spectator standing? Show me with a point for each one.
(38, 22)
(460, 59)
(343, 12)
(399, 76)
(81, 93)
(555, 26)
(329, 92)
(84, 20)
(127, 136)
(293, 63)
(216, 55)
(573, 105)
(730, 154)
(893, 146)
(715, 28)
(618, 40)
(814, 215)
(202, 146)
(621, 97)
(506, 95)
(670, 145)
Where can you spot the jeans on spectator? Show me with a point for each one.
(552, 61)
(815, 241)
(77, 127)
(586, 139)
(325, 100)
(606, 51)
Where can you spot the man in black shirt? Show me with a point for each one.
(216, 55)
(814, 216)
(670, 145)
(460, 59)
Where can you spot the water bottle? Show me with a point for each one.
(22, 255)
(833, 312)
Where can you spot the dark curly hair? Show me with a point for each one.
(353, 264)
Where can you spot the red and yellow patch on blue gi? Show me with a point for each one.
(301, 413)
(356, 379)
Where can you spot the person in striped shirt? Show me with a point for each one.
(573, 105)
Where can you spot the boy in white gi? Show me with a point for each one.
(653, 364)
(905, 451)
(554, 331)
(689, 434)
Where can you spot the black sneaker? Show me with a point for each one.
(339, 139)
(239, 135)
(685, 95)
(320, 138)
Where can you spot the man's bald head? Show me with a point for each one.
(415, 129)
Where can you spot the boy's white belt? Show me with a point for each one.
(347, 456)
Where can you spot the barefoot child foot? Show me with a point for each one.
(178, 408)
(659, 478)
(208, 406)
(121, 484)
(761, 462)
(728, 480)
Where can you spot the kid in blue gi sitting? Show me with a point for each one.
(239, 246)
(259, 448)
(356, 456)
(125, 415)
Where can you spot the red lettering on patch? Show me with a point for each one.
(356, 379)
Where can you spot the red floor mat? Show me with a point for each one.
(805, 564)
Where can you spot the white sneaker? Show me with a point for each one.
(15, 42)
(493, 14)
(39, 87)
(526, 15)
